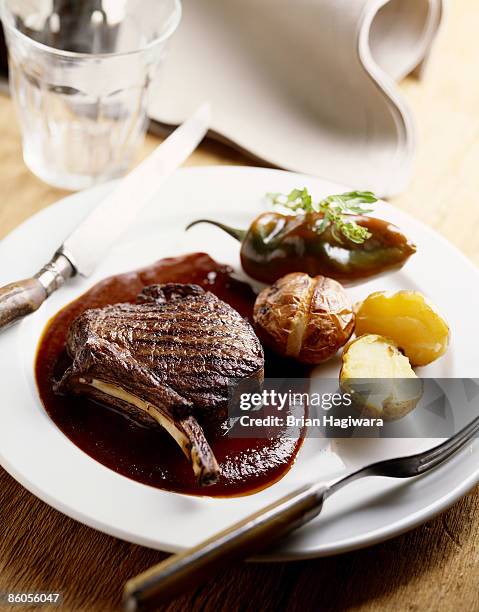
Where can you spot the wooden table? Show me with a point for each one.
(433, 567)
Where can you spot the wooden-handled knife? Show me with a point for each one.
(93, 238)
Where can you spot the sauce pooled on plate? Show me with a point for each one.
(150, 455)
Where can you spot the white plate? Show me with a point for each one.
(42, 459)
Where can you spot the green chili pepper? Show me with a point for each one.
(276, 244)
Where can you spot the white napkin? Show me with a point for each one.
(306, 85)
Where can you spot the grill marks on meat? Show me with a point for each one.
(167, 359)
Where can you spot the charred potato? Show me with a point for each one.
(409, 319)
(305, 318)
(379, 378)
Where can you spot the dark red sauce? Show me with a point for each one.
(148, 455)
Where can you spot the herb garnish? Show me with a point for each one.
(335, 210)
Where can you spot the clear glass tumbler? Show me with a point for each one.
(79, 76)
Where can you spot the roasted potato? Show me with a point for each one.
(305, 318)
(379, 378)
(409, 319)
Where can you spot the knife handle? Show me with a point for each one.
(21, 298)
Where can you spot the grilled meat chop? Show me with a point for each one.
(167, 359)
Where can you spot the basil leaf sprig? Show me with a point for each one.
(335, 210)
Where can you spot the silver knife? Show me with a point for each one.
(94, 237)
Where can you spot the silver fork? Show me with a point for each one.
(182, 571)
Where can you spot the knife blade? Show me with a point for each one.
(103, 227)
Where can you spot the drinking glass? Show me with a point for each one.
(79, 76)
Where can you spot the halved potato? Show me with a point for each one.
(307, 319)
(379, 378)
(409, 319)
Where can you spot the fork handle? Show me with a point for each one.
(181, 572)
